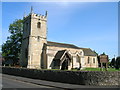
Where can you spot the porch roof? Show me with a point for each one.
(60, 54)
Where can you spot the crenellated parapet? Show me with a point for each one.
(36, 16)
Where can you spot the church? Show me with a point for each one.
(38, 53)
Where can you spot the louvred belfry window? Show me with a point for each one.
(38, 25)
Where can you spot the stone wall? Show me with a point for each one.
(73, 77)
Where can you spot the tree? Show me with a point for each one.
(117, 62)
(113, 63)
(11, 48)
(103, 53)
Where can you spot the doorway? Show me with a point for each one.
(65, 64)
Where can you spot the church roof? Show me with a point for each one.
(87, 51)
(56, 44)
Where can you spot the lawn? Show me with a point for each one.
(86, 69)
(98, 69)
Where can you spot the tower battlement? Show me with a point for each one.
(36, 16)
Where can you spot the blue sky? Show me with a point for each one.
(90, 24)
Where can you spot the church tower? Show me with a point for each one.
(33, 50)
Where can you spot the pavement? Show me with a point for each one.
(63, 86)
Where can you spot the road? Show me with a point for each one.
(8, 82)
(17, 82)
(11, 83)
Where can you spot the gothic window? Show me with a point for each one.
(88, 60)
(38, 38)
(93, 60)
(38, 25)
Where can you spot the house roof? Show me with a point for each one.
(87, 51)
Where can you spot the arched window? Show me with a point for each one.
(93, 60)
(38, 25)
(38, 38)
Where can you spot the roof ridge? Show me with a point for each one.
(86, 48)
(68, 44)
(65, 44)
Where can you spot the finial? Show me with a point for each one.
(24, 15)
(114, 56)
(31, 9)
(46, 13)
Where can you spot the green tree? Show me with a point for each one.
(113, 63)
(103, 53)
(11, 48)
(117, 62)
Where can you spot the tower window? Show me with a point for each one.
(38, 25)
(38, 38)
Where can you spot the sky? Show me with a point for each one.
(85, 24)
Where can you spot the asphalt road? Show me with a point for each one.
(8, 82)
(11, 83)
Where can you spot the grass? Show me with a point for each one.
(87, 69)
(98, 69)
(48, 69)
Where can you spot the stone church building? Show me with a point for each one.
(37, 52)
